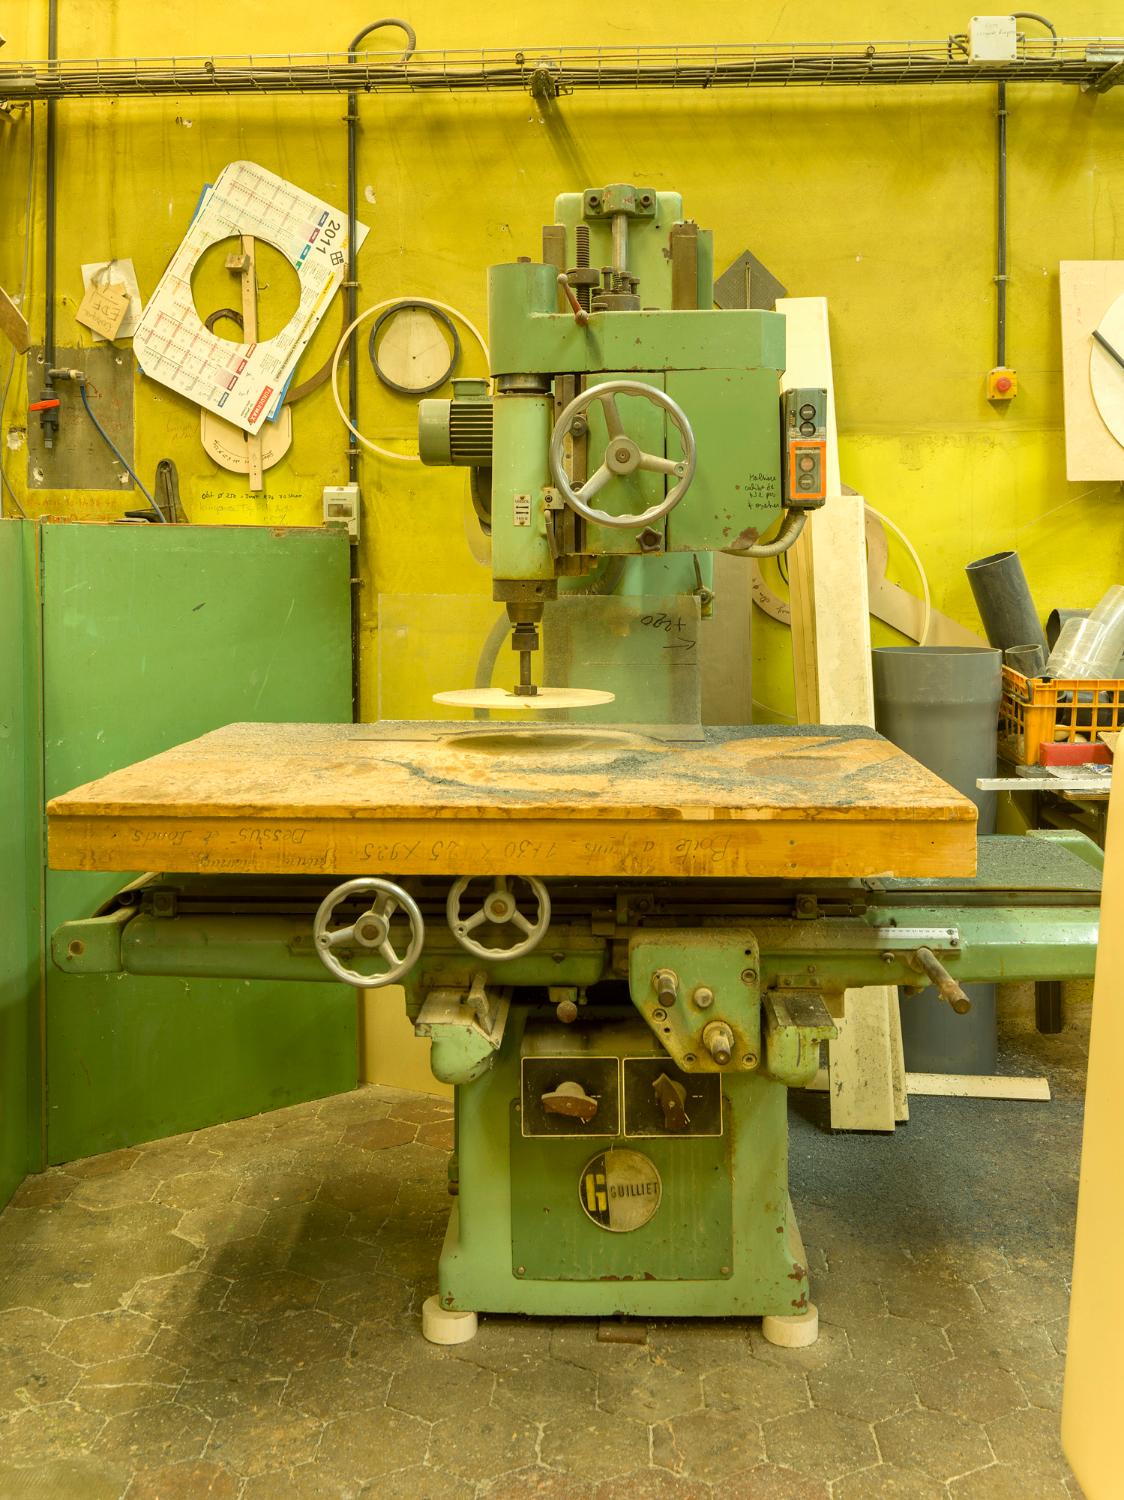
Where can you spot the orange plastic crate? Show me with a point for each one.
(1031, 715)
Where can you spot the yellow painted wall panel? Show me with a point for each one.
(882, 199)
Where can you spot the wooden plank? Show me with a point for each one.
(539, 800)
(827, 566)
(1094, 786)
(978, 1086)
(1088, 288)
(958, 1085)
(249, 278)
(898, 1081)
(834, 685)
(861, 1076)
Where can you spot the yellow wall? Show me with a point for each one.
(883, 200)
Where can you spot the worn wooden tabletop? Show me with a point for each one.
(525, 799)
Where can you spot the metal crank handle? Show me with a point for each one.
(947, 988)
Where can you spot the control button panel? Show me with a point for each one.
(804, 423)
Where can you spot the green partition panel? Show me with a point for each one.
(152, 635)
(20, 863)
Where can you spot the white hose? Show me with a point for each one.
(402, 458)
(927, 617)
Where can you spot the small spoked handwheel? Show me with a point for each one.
(369, 933)
(623, 455)
(501, 909)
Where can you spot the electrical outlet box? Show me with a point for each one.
(993, 38)
(1002, 384)
(342, 508)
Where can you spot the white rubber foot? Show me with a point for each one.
(446, 1325)
(795, 1332)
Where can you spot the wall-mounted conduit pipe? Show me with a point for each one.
(351, 302)
(352, 284)
(49, 413)
(1001, 230)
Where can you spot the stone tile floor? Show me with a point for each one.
(235, 1314)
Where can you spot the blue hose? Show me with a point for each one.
(118, 455)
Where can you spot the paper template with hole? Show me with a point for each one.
(243, 382)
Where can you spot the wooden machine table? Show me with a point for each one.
(433, 799)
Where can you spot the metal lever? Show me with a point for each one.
(947, 988)
(581, 317)
(672, 1099)
(572, 1101)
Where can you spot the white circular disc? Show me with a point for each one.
(500, 698)
(1105, 375)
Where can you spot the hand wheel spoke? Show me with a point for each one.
(596, 482)
(612, 414)
(501, 883)
(475, 920)
(384, 906)
(657, 465)
(388, 953)
(520, 921)
(341, 937)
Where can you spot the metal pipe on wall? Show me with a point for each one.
(1001, 231)
(351, 298)
(1093, 66)
(351, 286)
(49, 414)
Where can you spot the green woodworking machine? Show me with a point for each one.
(623, 1005)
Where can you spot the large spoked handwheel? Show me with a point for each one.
(369, 933)
(623, 455)
(501, 909)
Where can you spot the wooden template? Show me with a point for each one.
(1088, 289)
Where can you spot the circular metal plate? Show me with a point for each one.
(500, 698)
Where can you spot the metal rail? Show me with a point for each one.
(1090, 63)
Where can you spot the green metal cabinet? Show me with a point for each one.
(134, 639)
(21, 875)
